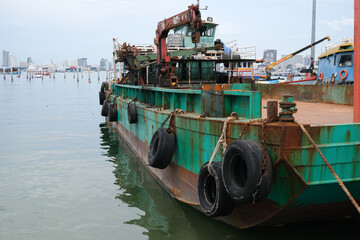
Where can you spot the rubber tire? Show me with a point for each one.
(105, 109)
(113, 112)
(161, 150)
(213, 197)
(266, 182)
(101, 97)
(104, 86)
(241, 171)
(132, 113)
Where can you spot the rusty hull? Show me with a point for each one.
(293, 184)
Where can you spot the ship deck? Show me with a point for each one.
(319, 113)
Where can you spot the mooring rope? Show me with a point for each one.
(356, 205)
(222, 141)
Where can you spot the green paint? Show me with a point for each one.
(300, 177)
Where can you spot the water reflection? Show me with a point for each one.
(163, 217)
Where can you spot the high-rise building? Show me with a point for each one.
(270, 55)
(29, 60)
(82, 62)
(6, 58)
(12, 61)
(104, 63)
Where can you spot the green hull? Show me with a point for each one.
(303, 188)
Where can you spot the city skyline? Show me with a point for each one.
(85, 28)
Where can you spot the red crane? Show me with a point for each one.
(191, 18)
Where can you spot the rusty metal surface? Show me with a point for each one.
(339, 94)
(319, 113)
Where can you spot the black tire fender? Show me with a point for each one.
(241, 171)
(105, 109)
(213, 197)
(264, 188)
(161, 150)
(113, 112)
(132, 113)
(101, 97)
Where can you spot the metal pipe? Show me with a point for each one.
(356, 111)
(313, 28)
(147, 74)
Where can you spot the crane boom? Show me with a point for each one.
(271, 65)
(190, 17)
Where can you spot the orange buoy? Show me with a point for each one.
(341, 74)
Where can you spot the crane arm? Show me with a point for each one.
(190, 17)
(271, 65)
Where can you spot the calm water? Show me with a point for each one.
(65, 175)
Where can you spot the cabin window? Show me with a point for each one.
(345, 61)
(190, 29)
(210, 31)
(203, 31)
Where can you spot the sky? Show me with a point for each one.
(60, 30)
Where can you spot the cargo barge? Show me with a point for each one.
(210, 145)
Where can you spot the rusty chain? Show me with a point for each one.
(171, 116)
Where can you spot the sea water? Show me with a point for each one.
(65, 174)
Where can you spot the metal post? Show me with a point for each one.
(313, 28)
(229, 68)
(82, 73)
(189, 72)
(73, 73)
(4, 73)
(356, 111)
(11, 72)
(27, 74)
(64, 73)
(120, 71)
(147, 74)
(114, 68)
(106, 73)
(98, 70)
(89, 76)
(42, 73)
(77, 72)
(54, 74)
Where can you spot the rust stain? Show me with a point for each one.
(206, 87)
(218, 88)
(176, 192)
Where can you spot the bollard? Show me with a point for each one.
(272, 110)
(287, 108)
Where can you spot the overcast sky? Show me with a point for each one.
(70, 29)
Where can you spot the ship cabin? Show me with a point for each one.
(180, 38)
(336, 65)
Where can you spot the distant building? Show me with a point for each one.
(82, 62)
(12, 61)
(104, 63)
(23, 64)
(66, 63)
(293, 63)
(5, 59)
(29, 61)
(270, 55)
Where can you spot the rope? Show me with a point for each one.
(330, 168)
(137, 95)
(177, 111)
(222, 141)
